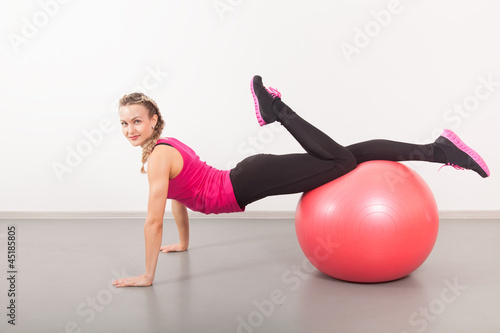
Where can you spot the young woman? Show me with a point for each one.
(176, 172)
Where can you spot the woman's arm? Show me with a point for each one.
(159, 165)
(182, 220)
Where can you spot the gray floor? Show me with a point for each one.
(240, 276)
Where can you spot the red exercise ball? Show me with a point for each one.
(377, 223)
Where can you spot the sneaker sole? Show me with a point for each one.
(448, 134)
(257, 106)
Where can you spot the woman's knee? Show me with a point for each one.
(342, 163)
(348, 162)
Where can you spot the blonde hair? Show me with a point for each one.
(152, 107)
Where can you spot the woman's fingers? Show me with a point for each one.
(138, 281)
(121, 283)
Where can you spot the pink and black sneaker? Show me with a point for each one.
(459, 155)
(263, 99)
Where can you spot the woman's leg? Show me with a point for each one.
(270, 108)
(395, 151)
(447, 149)
(263, 175)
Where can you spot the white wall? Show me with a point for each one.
(65, 65)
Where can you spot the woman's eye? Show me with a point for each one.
(137, 121)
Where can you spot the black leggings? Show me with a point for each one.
(264, 175)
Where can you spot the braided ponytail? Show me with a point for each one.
(152, 107)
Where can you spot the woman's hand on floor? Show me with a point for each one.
(173, 248)
(137, 281)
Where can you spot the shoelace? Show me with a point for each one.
(452, 165)
(274, 92)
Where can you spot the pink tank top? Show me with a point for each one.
(199, 186)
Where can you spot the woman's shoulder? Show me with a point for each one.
(165, 143)
(185, 150)
(167, 156)
(164, 152)
(173, 142)
(163, 140)
(169, 140)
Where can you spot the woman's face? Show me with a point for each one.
(136, 124)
